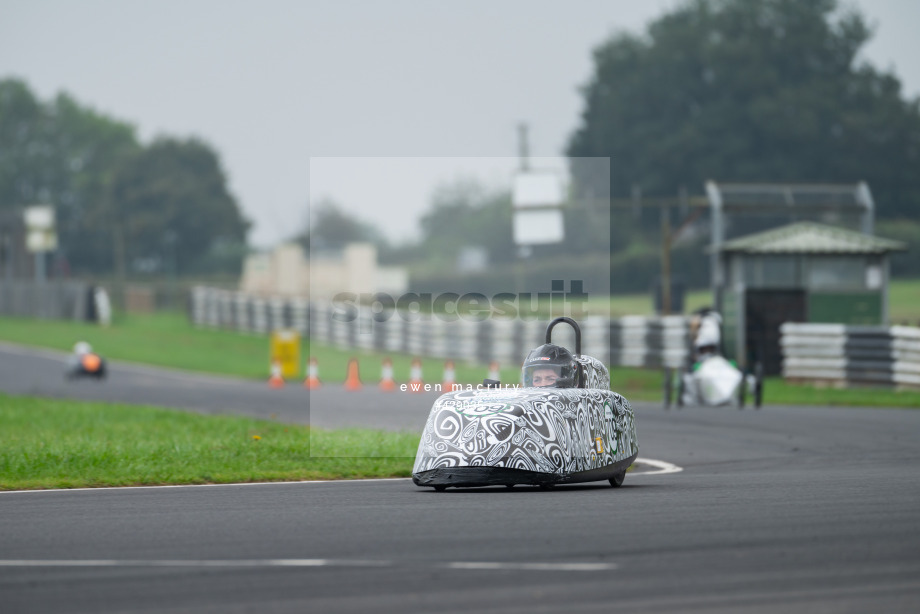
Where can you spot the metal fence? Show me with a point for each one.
(53, 300)
(629, 341)
(851, 355)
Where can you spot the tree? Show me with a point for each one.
(91, 147)
(63, 154)
(116, 200)
(331, 227)
(750, 90)
(170, 202)
(23, 135)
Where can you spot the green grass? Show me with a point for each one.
(167, 339)
(779, 392)
(647, 385)
(50, 443)
(641, 304)
(904, 301)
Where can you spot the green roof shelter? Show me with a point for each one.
(803, 272)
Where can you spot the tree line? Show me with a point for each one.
(121, 205)
(740, 91)
(770, 91)
(732, 90)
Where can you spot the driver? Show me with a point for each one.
(549, 366)
(708, 335)
(85, 360)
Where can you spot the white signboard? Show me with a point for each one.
(40, 232)
(537, 199)
(537, 190)
(538, 226)
(39, 217)
(41, 240)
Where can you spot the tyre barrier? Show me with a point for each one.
(840, 355)
(635, 341)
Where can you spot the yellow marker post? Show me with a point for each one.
(285, 350)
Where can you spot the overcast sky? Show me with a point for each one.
(272, 84)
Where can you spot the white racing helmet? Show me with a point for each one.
(710, 331)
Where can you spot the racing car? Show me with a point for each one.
(85, 363)
(562, 424)
(709, 378)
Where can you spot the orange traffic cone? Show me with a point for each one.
(353, 379)
(449, 377)
(312, 382)
(386, 376)
(276, 381)
(415, 376)
(494, 372)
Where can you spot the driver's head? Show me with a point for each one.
(549, 365)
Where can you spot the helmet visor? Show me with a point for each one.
(547, 375)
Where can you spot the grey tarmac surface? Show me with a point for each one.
(778, 510)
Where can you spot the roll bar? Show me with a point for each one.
(570, 322)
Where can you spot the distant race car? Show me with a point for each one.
(562, 425)
(709, 378)
(85, 363)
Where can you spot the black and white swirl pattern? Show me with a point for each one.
(559, 431)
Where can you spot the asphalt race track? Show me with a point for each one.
(779, 510)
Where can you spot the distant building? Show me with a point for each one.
(287, 271)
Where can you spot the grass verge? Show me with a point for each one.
(164, 339)
(51, 443)
(167, 339)
(779, 392)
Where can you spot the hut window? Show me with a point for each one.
(836, 272)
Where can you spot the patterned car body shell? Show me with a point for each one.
(528, 435)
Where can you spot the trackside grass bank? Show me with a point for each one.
(164, 339)
(167, 339)
(50, 443)
(778, 392)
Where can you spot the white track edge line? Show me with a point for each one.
(533, 566)
(106, 488)
(662, 466)
(236, 563)
(191, 563)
